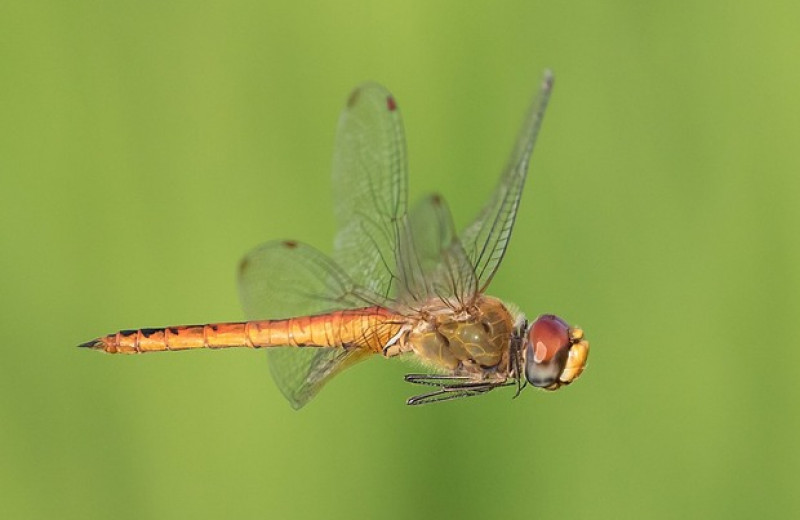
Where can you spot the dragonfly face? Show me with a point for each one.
(554, 353)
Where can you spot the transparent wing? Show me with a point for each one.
(442, 267)
(369, 187)
(301, 373)
(283, 279)
(486, 238)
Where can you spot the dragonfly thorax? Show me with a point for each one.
(475, 342)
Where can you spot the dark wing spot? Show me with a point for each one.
(244, 264)
(291, 244)
(391, 103)
(436, 199)
(353, 99)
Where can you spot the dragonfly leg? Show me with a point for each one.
(521, 383)
(448, 393)
(450, 387)
(436, 379)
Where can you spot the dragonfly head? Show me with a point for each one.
(554, 354)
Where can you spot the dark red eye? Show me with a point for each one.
(547, 350)
(548, 335)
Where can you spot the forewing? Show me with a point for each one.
(286, 279)
(369, 187)
(442, 267)
(282, 279)
(486, 238)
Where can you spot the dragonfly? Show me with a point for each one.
(401, 281)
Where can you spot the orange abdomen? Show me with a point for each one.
(369, 328)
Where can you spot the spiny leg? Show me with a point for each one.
(449, 392)
(437, 379)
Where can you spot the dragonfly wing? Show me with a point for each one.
(486, 238)
(301, 378)
(284, 278)
(369, 187)
(443, 269)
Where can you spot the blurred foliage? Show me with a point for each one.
(145, 146)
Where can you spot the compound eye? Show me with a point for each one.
(546, 351)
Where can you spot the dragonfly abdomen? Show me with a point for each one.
(368, 328)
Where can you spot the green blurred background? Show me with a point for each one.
(145, 146)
